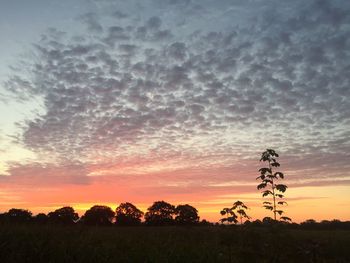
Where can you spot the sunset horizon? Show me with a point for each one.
(104, 102)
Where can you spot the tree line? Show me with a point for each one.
(160, 213)
(126, 214)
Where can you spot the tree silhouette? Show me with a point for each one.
(268, 220)
(18, 215)
(240, 208)
(231, 217)
(160, 213)
(128, 215)
(204, 222)
(268, 180)
(186, 215)
(98, 215)
(64, 215)
(41, 218)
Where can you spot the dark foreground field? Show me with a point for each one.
(31, 243)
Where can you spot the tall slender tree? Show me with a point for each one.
(269, 181)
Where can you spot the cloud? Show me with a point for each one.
(138, 90)
(120, 15)
(154, 23)
(91, 21)
(39, 175)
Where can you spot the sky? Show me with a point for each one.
(103, 102)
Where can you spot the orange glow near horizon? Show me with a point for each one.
(328, 204)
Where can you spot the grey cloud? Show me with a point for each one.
(91, 21)
(120, 15)
(39, 174)
(154, 23)
(17, 84)
(146, 88)
(162, 35)
(166, 3)
(128, 49)
(177, 50)
(142, 33)
(115, 34)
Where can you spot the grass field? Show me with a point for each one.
(33, 243)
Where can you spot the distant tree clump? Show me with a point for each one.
(160, 213)
(238, 210)
(186, 215)
(98, 215)
(204, 222)
(65, 215)
(41, 218)
(268, 220)
(18, 215)
(269, 180)
(127, 214)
